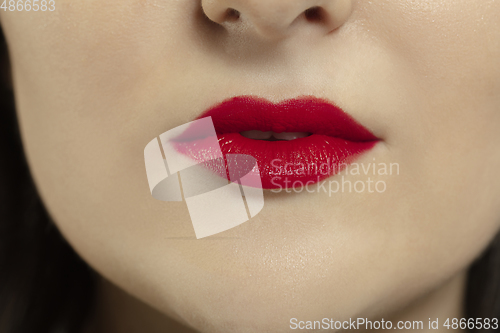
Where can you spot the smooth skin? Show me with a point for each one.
(95, 81)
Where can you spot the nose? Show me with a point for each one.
(274, 18)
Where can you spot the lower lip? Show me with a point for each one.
(296, 163)
(288, 164)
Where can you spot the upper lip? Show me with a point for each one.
(307, 114)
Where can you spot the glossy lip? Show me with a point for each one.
(336, 140)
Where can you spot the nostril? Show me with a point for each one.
(232, 14)
(314, 14)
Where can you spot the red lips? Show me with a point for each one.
(334, 141)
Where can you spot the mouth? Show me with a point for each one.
(296, 143)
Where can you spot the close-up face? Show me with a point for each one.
(96, 81)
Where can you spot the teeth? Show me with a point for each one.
(290, 135)
(257, 135)
(286, 136)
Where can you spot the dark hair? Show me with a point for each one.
(46, 287)
(483, 286)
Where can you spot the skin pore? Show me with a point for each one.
(95, 81)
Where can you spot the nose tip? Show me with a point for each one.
(274, 18)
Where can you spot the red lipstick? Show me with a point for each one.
(330, 139)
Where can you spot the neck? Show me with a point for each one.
(118, 312)
(434, 308)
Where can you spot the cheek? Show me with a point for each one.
(444, 59)
(441, 40)
(97, 56)
(88, 77)
(87, 82)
